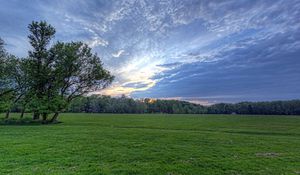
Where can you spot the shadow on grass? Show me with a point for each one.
(264, 133)
(25, 121)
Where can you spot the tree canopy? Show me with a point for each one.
(107, 104)
(51, 76)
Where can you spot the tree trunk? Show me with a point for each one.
(7, 114)
(22, 113)
(36, 116)
(44, 116)
(54, 118)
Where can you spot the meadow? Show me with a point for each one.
(153, 144)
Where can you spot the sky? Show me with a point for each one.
(202, 51)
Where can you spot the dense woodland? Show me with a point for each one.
(107, 104)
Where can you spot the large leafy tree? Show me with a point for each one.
(78, 71)
(12, 80)
(50, 77)
(17, 79)
(6, 81)
(4, 90)
(18, 74)
(58, 74)
(39, 69)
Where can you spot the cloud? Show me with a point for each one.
(118, 53)
(97, 42)
(170, 65)
(241, 74)
(196, 100)
(136, 71)
(135, 85)
(187, 49)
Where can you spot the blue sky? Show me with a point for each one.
(203, 51)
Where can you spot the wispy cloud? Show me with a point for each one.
(175, 48)
(96, 41)
(118, 53)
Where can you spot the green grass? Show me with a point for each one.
(153, 144)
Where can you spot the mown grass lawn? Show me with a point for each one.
(153, 144)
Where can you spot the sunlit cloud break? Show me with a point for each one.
(231, 50)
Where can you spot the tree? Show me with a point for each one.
(4, 78)
(19, 69)
(77, 72)
(15, 69)
(39, 69)
(60, 74)
(7, 84)
(49, 79)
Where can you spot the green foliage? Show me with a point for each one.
(5, 102)
(291, 107)
(4, 78)
(9, 83)
(107, 104)
(77, 70)
(51, 76)
(154, 144)
(39, 68)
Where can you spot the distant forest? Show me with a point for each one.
(107, 104)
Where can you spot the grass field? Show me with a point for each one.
(153, 144)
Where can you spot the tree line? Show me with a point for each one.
(107, 104)
(55, 78)
(50, 77)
